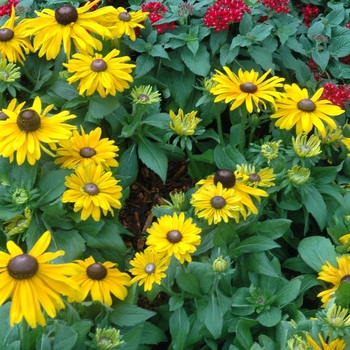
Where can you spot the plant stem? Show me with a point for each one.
(24, 329)
(28, 75)
(219, 124)
(242, 131)
(193, 163)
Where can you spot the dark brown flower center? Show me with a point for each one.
(96, 271)
(150, 268)
(91, 189)
(346, 278)
(124, 16)
(3, 116)
(254, 178)
(66, 14)
(28, 120)
(87, 152)
(249, 88)
(306, 105)
(143, 97)
(6, 34)
(174, 236)
(22, 267)
(226, 177)
(218, 202)
(98, 65)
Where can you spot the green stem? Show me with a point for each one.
(24, 329)
(28, 75)
(193, 163)
(252, 130)
(219, 124)
(167, 290)
(242, 131)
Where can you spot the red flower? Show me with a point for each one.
(278, 6)
(310, 12)
(156, 12)
(338, 95)
(6, 8)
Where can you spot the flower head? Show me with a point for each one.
(18, 223)
(298, 109)
(33, 283)
(262, 178)
(220, 264)
(100, 280)
(107, 338)
(336, 344)
(337, 316)
(13, 107)
(331, 135)
(338, 95)
(149, 267)
(67, 25)
(246, 87)
(156, 11)
(298, 175)
(145, 95)
(91, 189)
(8, 71)
(81, 149)
(106, 75)
(184, 124)
(25, 131)
(14, 42)
(307, 148)
(174, 235)
(334, 275)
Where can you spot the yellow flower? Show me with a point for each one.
(246, 87)
(262, 178)
(298, 109)
(18, 223)
(92, 190)
(331, 135)
(184, 124)
(346, 142)
(34, 283)
(8, 71)
(14, 41)
(174, 235)
(65, 25)
(337, 344)
(124, 22)
(25, 131)
(307, 148)
(216, 203)
(337, 316)
(334, 275)
(270, 150)
(13, 107)
(298, 175)
(144, 95)
(148, 268)
(85, 148)
(100, 280)
(106, 75)
(344, 239)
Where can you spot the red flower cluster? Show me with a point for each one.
(347, 25)
(156, 12)
(224, 12)
(6, 8)
(310, 12)
(338, 95)
(278, 6)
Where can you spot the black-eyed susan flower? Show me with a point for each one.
(261, 178)
(269, 150)
(92, 190)
(100, 280)
(306, 148)
(174, 235)
(215, 203)
(124, 22)
(334, 275)
(33, 283)
(336, 344)
(25, 132)
(14, 42)
(104, 74)
(148, 268)
(297, 109)
(18, 223)
(298, 175)
(184, 124)
(246, 87)
(13, 107)
(81, 149)
(67, 25)
(144, 95)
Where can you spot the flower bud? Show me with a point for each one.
(219, 264)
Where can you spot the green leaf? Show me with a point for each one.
(144, 63)
(153, 157)
(152, 334)
(64, 90)
(259, 263)
(321, 58)
(128, 166)
(315, 251)
(132, 338)
(82, 328)
(52, 186)
(261, 31)
(217, 39)
(342, 295)
(262, 56)
(130, 315)
(227, 55)
(339, 46)
(213, 319)
(315, 29)
(65, 339)
(273, 228)
(270, 317)
(179, 328)
(99, 106)
(287, 293)
(246, 24)
(228, 157)
(255, 244)
(199, 63)
(243, 333)
(158, 51)
(188, 283)
(175, 302)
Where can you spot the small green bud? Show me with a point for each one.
(107, 338)
(20, 196)
(219, 264)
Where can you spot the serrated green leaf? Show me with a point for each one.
(99, 106)
(339, 46)
(199, 63)
(144, 63)
(321, 58)
(152, 334)
(262, 56)
(228, 157)
(130, 315)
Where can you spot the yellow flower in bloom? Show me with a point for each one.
(14, 41)
(124, 22)
(336, 344)
(18, 223)
(13, 107)
(246, 87)
(184, 124)
(144, 95)
(337, 316)
(85, 148)
(262, 178)
(331, 135)
(8, 71)
(334, 275)
(174, 235)
(92, 190)
(270, 150)
(25, 131)
(215, 203)
(148, 267)
(298, 175)
(298, 109)
(65, 25)
(106, 75)
(100, 280)
(307, 148)
(33, 283)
